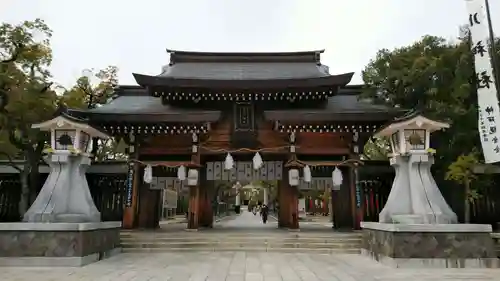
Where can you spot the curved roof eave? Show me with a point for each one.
(326, 81)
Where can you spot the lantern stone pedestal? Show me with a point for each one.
(415, 198)
(63, 226)
(65, 196)
(417, 228)
(429, 245)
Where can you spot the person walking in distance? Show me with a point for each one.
(264, 212)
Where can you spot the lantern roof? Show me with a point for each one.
(63, 121)
(413, 120)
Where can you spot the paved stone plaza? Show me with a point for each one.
(229, 266)
(235, 266)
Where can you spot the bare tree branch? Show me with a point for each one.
(15, 141)
(11, 161)
(17, 52)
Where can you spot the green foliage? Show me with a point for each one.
(88, 92)
(24, 86)
(436, 77)
(377, 149)
(462, 171)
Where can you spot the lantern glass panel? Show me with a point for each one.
(65, 139)
(396, 142)
(84, 141)
(415, 139)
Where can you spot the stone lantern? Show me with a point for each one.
(414, 197)
(65, 196)
(417, 228)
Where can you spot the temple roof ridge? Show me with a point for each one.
(177, 56)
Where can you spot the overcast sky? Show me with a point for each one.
(133, 35)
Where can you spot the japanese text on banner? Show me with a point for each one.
(489, 110)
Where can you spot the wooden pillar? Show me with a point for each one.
(356, 192)
(194, 205)
(194, 191)
(149, 207)
(283, 217)
(132, 188)
(357, 196)
(293, 209)
(206, 213)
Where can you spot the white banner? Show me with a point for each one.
(489, 111)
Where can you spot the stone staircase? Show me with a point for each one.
(141, 242)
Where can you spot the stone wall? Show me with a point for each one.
(57, 243)
(435, 245)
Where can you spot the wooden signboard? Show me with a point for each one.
(169, 199)
(243, 171)
(159, 183)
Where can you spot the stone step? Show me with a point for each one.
(240, 239)
(244, 249)
(194, 244)
(233, 235)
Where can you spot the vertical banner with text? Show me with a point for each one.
(489, 110)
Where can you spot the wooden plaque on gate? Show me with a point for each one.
(218, 171)
(263, 171)
(270, 171)
(278, 168)
(154, 184)
(226, 174)
(256, 174)
(240, 171)
(248, 171)
(233, 174)
(210, 171)
(170, 182)
(162, 182)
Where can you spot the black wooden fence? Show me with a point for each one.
(377, 184)
(107, 190)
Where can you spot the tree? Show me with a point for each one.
(92, 88)
(377, 149)
(26, 96)
(90, 91)
(462, 172)
(438, 78)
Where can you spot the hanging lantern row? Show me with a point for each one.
(183, 173)
(293, 176)
(328, 128)
(256, 161)
(291, 96)
(155, 129)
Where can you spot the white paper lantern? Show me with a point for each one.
(229, 163)
(307, 174)
(192, 178)
(257, 161)
(293, 177)
(337, 178)
(181, 173)
(148, 174)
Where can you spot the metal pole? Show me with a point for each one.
(492, 45)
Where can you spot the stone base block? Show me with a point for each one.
(57, 244)
(430, 245)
